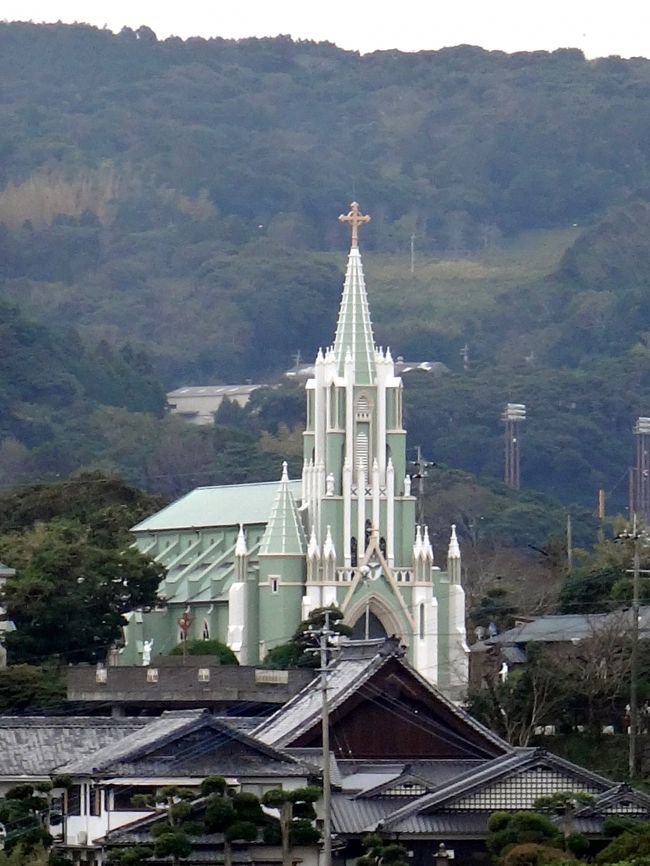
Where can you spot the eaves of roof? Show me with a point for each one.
(489, 773)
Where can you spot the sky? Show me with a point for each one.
(598, 27)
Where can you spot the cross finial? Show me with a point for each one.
(355, 218)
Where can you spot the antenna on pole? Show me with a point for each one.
(512, 417)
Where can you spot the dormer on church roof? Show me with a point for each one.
(284, 532)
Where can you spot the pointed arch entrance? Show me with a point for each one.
(372, 617)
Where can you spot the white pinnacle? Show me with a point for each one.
(240, 546)
(312, 550)
(285, 471)
(417, 546)
(328, 546)
(454, 549)
(428, 549)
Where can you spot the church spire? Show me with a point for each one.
(284, 532)
(354, 328)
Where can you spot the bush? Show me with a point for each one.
(208, 648)
(533, 854)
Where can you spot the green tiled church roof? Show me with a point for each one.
(354, 328)
(284, 531)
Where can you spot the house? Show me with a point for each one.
(199, 404)
(405, 762)
(566, 634)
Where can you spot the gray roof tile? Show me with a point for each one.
(36, 745)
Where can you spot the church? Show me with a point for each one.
(247, 563)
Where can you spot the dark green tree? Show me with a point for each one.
(296, 816)
(297, 653)
(69, 595)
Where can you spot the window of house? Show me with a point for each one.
(73, 800)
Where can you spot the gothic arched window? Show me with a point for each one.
(422, 622)
(353, 552)
(205, 633)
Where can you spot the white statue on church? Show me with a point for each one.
(329, 485)
(146, 652)
(407, 486)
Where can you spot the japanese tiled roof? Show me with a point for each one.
(185, 742)
(356, 664)
(36, 745)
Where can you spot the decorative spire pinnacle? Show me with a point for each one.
(240, 546)
(426, 545)
(328, 546)
(354, 337)
(285, 471)
(417, 546)
(354, 218)
(454, 549)
(312, 549)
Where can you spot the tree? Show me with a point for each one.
(630, 848)
(69, 595)
(294, 653)
(24, 686)
(172, 837)
(297, 816)
(565, 804)
(237, 815)
(527, 698)
(378, 852)
(507, 830)
(24, 811)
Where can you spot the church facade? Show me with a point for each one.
(246, 563)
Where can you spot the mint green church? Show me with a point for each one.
(248, 562)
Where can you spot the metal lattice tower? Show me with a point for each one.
(512, 417)
(640, 473)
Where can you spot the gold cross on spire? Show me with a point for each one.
(355, 218)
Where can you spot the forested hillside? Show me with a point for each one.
(168, 215)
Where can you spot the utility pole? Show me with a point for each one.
(634, 661)
(325, 634)
(569, 542)
(637, 537)
(413, 236)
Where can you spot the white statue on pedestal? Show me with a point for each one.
(146, 652)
